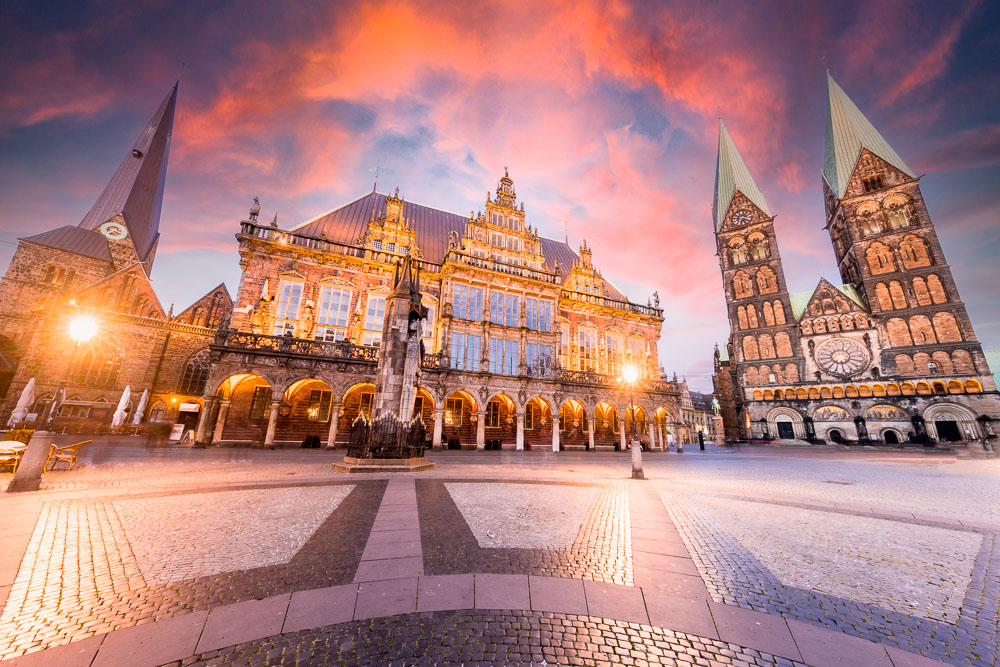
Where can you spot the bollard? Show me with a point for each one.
(680, 446)
(637, 460)
(28, 476)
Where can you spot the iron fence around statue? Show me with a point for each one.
(386, 437)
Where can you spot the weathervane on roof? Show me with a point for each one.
(375, 171)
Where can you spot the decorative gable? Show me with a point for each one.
(211, 311)
(127, 291)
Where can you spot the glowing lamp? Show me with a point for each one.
(82, 328)
(630, 373)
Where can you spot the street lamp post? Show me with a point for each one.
(630, 374)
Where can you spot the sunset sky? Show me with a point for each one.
(606, 114)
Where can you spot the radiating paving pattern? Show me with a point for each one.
(912, 569)
(523, 516)
(223, 531)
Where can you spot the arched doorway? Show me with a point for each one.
(664, 420)
(501, 429)
(358, 400)
(305, 412)
(785, 423)
(951, 423)
(635, 417)
(890, 437)
(607, 427)
(460, 415)
(573, 427)
(244, 409)
(537, 424)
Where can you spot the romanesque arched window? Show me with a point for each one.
(896, 292)
(741, 317)
(898, 216)
(920, 291)
(946, 328)
(904, 364)
(752, 316)
(195, 374)
(943, 362)
(779, 313)
(783, 344)
(882, 296)
(880, 259)
(899, 333)
(768, 314)
(936, 289)
(791, 373)
(750, 348)
(913, 251)
(920, 328)
(962, 361)
(766, 281)
(742, 287)
(766, 347)
(737, 250)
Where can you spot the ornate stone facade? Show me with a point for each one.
(524, 340)
(891, 354)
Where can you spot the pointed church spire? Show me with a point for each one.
(731, 174)
(847, 132)
(135, 192)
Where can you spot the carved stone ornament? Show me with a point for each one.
(522, 396)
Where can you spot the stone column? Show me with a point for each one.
(201, 433)
(555, 434)
(331, 437)
(438, 425)
(481, 430)
(519, 443)
(590, 433)
(272, 423)
(663, 443)
(621, 433)
(652, 436)
(220, 422)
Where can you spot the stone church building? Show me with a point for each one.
(100, 269)
(886, 353)
(524, 340)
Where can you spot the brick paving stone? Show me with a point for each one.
(479, 637)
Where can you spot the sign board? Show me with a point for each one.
(176, 432)
(31, 416)
(188, 407)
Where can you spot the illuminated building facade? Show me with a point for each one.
(886, 353)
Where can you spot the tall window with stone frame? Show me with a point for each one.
(538, 359)
(196, 374)
(496, 306)
(614, 346)
(374, 320)
(511, 317)
(496, 355)
(493, 414)
(465, 351)
(467, 302)
(511, 357)
(588, 348)
(453, 411)
(333, 313)
(428, 326)
(286, 314)
(96, 364)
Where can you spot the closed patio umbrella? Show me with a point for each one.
(141, 409)
(24, 403)
(119, 417)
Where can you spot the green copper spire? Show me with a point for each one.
(731, 174)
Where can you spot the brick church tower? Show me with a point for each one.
(763, 343)
(886, 247)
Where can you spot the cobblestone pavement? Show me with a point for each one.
(955, 622)
(601, 550)
(487, 638)
(143, 534)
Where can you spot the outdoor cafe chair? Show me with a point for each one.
(67, 455)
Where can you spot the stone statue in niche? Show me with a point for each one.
(260, 316)
(307, 322)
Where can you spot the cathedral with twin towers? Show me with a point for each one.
(887, 352)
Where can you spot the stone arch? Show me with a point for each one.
(783, 344)
(879, 258)
(608, 432)
(946, 328)
(307, 405)
(750, 352)
(962, 361)
(768, 314)
(882, 296)
(196, 371)
(791, 372)
(767, 282)
(921, 292)
(891, 436)
(779, 313)
(250, 396)
(737, 250)
(758, 396)
(892, 389)
(921, 329)
(538, 423)
(950, 422)
(825, 392)
(943, 361)
(785, 423)
(913, 252)
(742, 286)
(955, 387)
(460, 419)
(741, 318)
(752, 319)
(908, 389)
(896, 294)
(500, 429)
(838, 392)
(936, 289)
(899, 333)
(766, 346)
(973, 387)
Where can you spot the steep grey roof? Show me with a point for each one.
(432, 227)
(731, 174)
(75, 240)
(136, 189)
(847, 132)
(700, 401)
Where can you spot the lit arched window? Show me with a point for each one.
(96, 364)
(195, 374)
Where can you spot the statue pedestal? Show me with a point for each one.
(355, 465)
